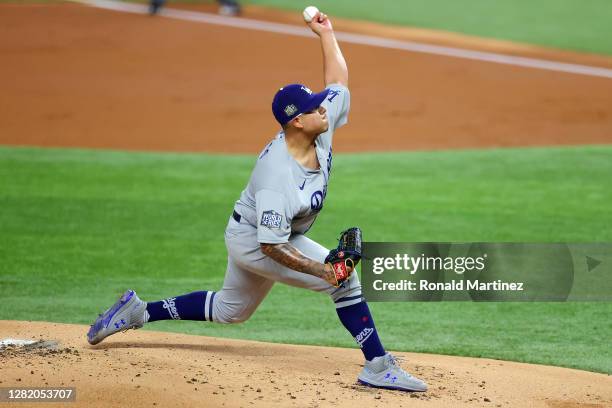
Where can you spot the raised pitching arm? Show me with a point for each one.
(335, 70)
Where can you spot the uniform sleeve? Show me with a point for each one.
(273, 217)
(337, 104)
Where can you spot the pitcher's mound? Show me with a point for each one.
(145, 369)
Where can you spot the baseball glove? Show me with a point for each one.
(347, 255)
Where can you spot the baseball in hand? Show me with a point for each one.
(309, 13)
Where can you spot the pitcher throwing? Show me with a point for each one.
(265, 235)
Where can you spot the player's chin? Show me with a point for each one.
(324, 126)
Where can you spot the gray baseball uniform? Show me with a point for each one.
(280, 204)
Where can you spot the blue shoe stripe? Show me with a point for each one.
(108, 315)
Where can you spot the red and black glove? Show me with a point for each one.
(347, 255)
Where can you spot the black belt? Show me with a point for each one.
(237, 217)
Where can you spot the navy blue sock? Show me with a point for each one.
(358, 320)
(192, 306)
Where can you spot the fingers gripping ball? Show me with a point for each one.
(309, 13)
(347, 255)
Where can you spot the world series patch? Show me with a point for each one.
(271, 219)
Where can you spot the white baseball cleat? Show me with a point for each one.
(384, 372)
(126, 313)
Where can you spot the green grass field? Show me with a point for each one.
(77, 227)
(567, 24)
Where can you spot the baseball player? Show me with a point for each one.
(265, 236)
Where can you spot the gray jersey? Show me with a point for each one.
(282, 197)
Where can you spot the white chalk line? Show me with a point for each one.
(360, 39)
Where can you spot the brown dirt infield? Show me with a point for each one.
(145, 368)
(78, 76)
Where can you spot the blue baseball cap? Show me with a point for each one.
(293, 100)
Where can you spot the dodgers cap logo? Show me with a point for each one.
(292, 100)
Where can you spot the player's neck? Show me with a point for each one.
(302, 147)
